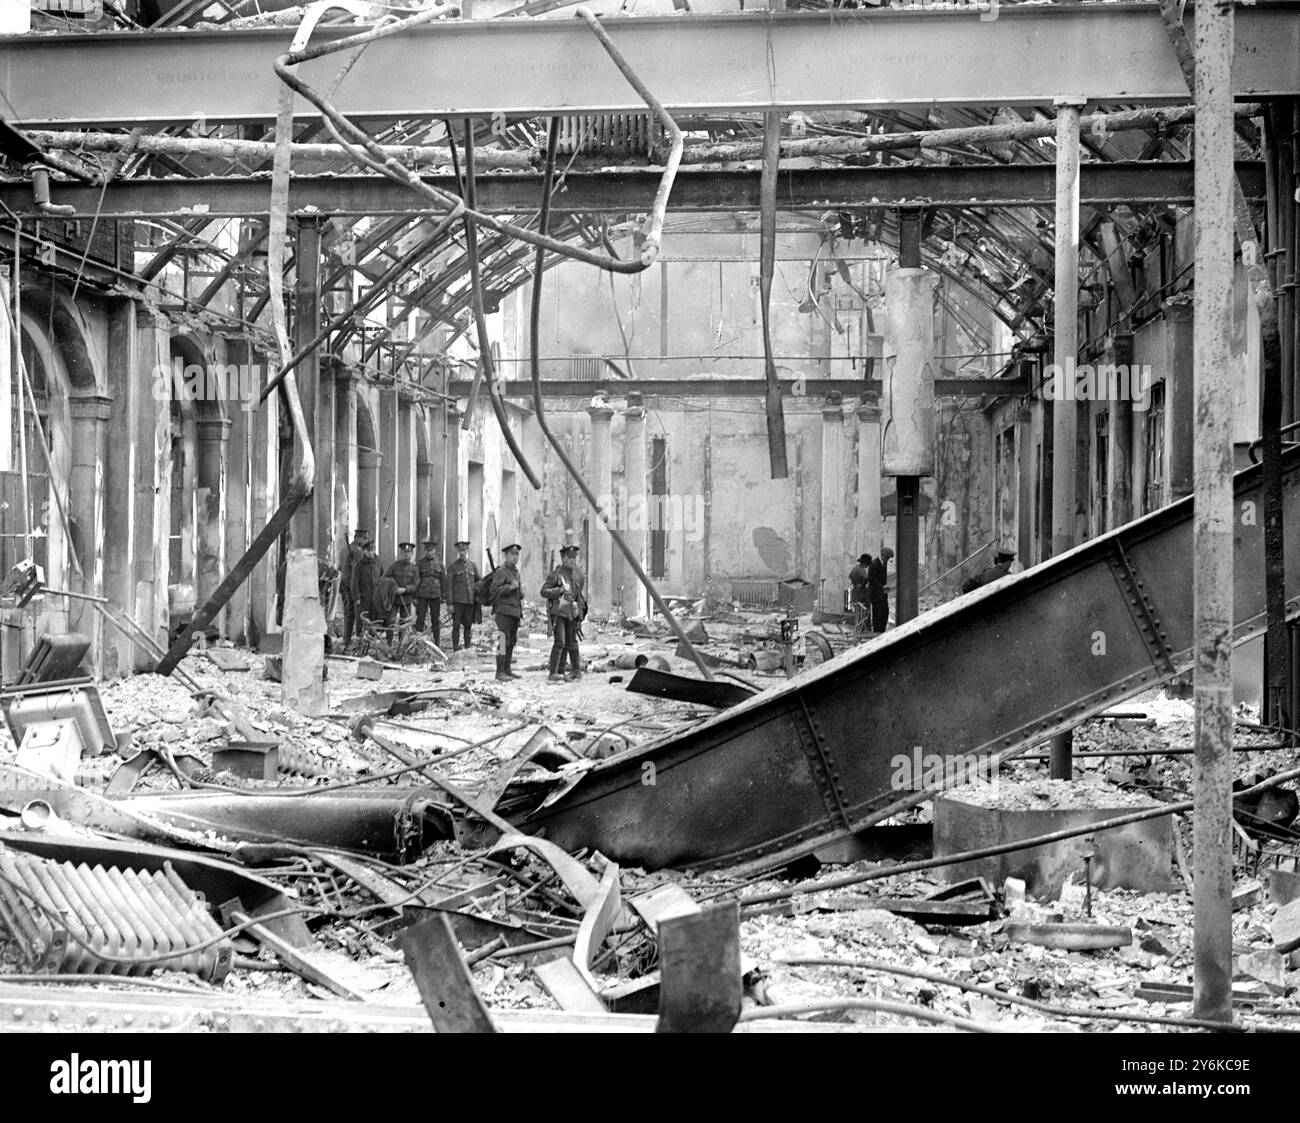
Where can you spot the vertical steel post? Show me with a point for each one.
(1212, 530)
(306, 326)
(907, 524)
(1065, 413)
(907, 538)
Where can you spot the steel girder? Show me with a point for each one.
(814, 388)
(632, 191)
(992, 673)
(696, 62)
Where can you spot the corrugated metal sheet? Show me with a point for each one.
(59, 917)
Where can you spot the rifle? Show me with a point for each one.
(491, 562)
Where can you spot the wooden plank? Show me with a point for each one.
(569, 987)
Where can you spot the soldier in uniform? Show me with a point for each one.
(355, 550)
(505, 593)
(1001, 566)
(428, 591)
(458, 590)
(566, 606)
(405, 577)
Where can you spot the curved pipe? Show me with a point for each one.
(487, 367)
(368, 152)
(539, 407)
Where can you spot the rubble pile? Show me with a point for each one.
(341, 857)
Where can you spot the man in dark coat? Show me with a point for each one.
(1001, 566)
(353, 554)
(458, 590)
(877, 578)
(406, 577)
(365, 581)
(858, 578)
(566, 606)
(505, 593)
(428, 590)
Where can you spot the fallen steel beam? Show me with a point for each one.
(633, 190)
(797, 766)
(755, 61)
(812, 388)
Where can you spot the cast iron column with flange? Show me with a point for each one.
(909, 435)
(1066, 485)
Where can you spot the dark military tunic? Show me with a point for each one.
(406, 577)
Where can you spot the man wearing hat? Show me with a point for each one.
(405, 577)
(354, 553)
(1001, 566)
(505, 593)
(428, 590)
(458, 590)
(566, 607)
(859, 577)
(365, 582)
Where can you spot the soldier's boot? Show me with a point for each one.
(556, 664)
(575, 663)
(502, 675)
(510, 655)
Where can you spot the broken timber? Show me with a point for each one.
(795, 767)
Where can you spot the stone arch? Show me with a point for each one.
(68, 327)
(51, 541)
(366, 441)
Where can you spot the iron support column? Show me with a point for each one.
(1065, 414)
(1212, 530)
(306, 326)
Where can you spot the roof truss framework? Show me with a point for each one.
(1000, 255)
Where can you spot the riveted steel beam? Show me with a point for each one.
(631, 191)
(812, 388)
(977, 680)
(700, 62)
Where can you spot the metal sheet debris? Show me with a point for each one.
(446, 988)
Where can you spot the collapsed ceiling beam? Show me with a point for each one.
(631, 191)
(698, 62)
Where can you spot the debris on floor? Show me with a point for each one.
(360, 864)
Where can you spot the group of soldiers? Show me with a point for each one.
(385, 597)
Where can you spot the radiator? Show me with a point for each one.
(609, 134)
(54, 917)
(754, 592)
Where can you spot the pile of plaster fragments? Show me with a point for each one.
(354, 902)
